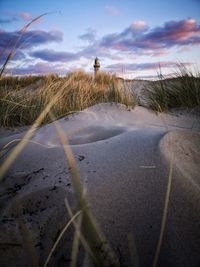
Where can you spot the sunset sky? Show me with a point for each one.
(130, 37)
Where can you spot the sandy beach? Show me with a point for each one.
(123, 157)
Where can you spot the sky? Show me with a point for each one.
(131, 38)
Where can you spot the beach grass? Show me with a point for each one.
(22, 103)
(181, 90)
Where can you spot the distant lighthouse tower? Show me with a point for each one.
(96, 67)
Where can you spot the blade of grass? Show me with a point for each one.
(3, 150)
(26, 235)
(133, 251)
(75, 244)
(60, 236)
(95, 238)
(21, 32)
(165, 212)
(82, 238)
(17, 150)
(166, 203)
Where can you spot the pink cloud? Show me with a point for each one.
(138, 37)
(25, 15)
(39, 69)
(139, 25)
(179, 31)
(146, 66)
(159, 53)
(184, 49)
(111, 10)
(120, 47)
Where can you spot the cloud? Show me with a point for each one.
(53, 56)
(182, 32)
(13, 17)
(89, 36)
(138, 36)
(136, 40)
(25, 15)
(38, 69)
(111, 10)
(147, 77)
(94, 50)
(18, 55)
(8, 20)
(145, 66)
(28, 39)
(139, 25)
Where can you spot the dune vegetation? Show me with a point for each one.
(21, 103)
(182, 89)
(23, 98)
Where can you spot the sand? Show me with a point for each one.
(123, 157)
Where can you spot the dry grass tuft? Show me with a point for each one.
(22, 105)
(181, 90)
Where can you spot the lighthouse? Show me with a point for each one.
(96, 67)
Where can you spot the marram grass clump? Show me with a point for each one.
(182, 89)
(22, 103)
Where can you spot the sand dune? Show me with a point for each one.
(184, 147)
(123, 157)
